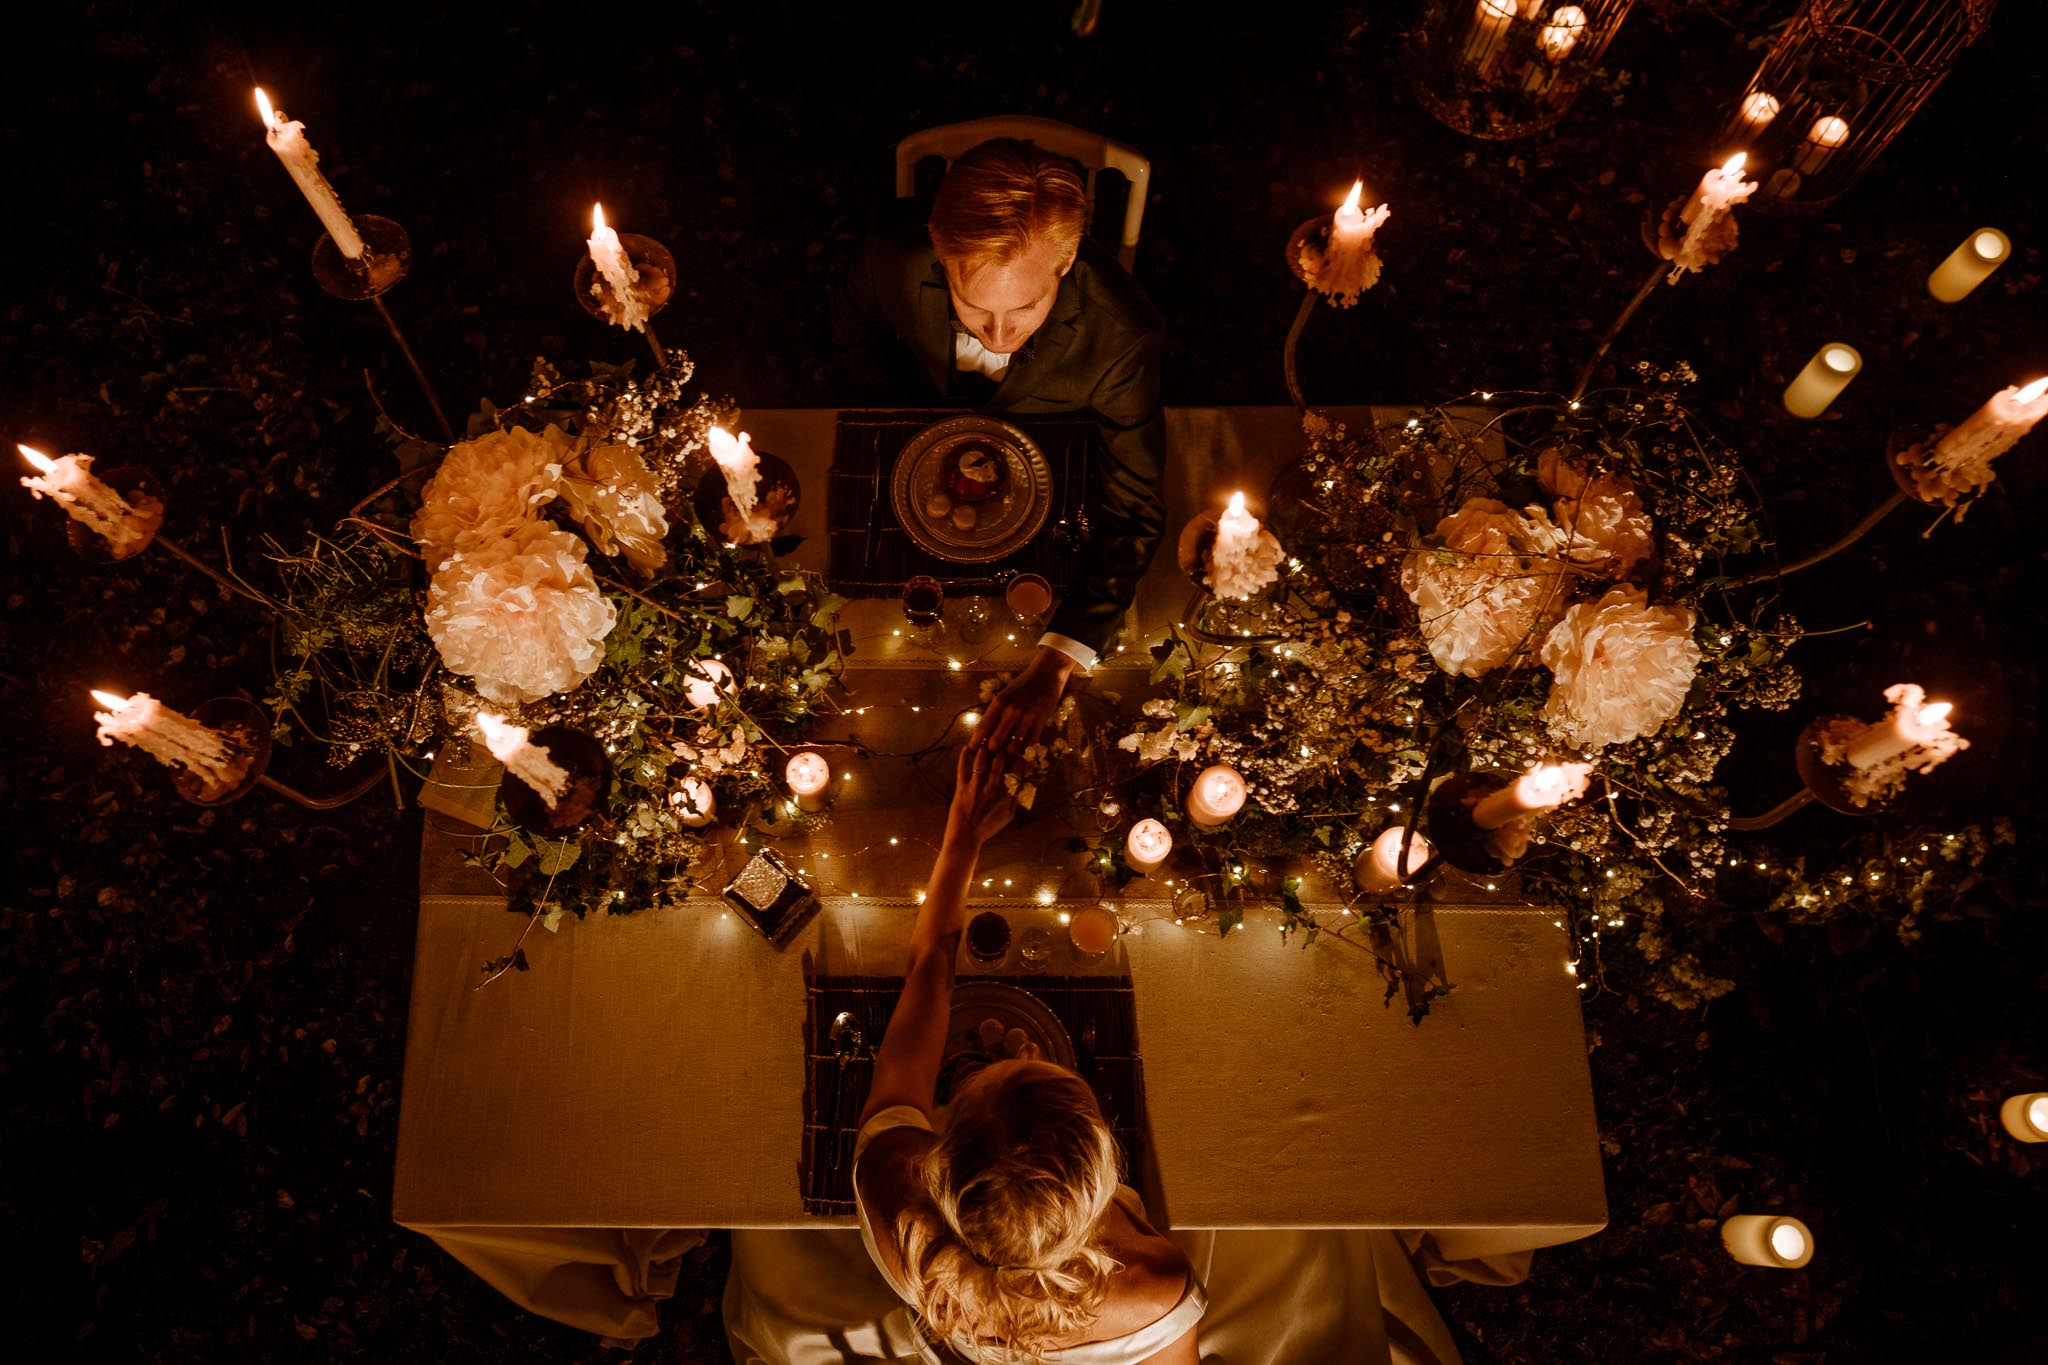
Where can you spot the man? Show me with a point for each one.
(1002, 302)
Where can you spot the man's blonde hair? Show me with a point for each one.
(999, 198)
(1006, 1254)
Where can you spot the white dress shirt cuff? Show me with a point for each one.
(1082, 656)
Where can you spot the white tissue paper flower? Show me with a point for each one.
(1486, 593)
(1622, 668)
(521, 614)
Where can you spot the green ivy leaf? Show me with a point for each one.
(828, 611)
(517, 850)
(739, 608)
(559, 855)
(1229, 920)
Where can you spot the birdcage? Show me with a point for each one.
(1509, 68)
(1841, 82)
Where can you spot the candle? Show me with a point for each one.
(1217, 795)
(1246, 557)
(694, 804)
(1347, 265)
(1567, 22)
(1964, 454)
(1381, 868)
(1489, 26)
(1969, 265)
(740, 465)
(1544, 787)
(170, 737)
(624, 306)
(525, 760)
(1827, 133)
(1825, 376)
(68, 481)
(1767, 1240)
(1759, 109)
(810, 777)
(1719, 191)
(288, 140)
(2026, 1116)
(1092, 930)
(705, 681)
(1914, 724)
(1147, 846)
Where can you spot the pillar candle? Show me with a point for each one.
(810, 778)
(2026, 1116)
(1544, 787)
(1490, 25)
(1246, 557)
(1827, 133)
(1768, 1240)
(705, 681)
(1720, 190)
(170, 737)
(1381, 868)
(1990, 431)
(1217, 795)
(1969, 265)
(513, 746)
(1559, 36)
(1825, 376)
(626, 308)
(68, 481)
(1347, 264)
(740, 465)
(1148, 846)
(1758, 109)
(288, 140)
(1914, 723)
(694, 803)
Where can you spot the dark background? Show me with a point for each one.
(203, 1012)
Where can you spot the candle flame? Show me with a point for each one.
(1352, 199)
(37, 458)
(1935, 713)
(109, 700)
(1237, 504)
(1734, 164)
(270, 119)
(2026, 395)
(725, 447)
(596, 217)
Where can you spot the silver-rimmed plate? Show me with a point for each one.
(928, 490)
(1011, 1007)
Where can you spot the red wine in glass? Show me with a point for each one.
(924, 601)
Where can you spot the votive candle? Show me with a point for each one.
(1758, 109)
(1970, 264)
(1148, 846)
(810, 779)
(1559, 35)
(1381, 868)
(1544, 787)
(1772, 1240)
(1489, 26)
(1218, 794)
(1827, 133)
(513, 746)
(705, 681)
(1824, 377)
(694, 803)
(2026, 1116)
(288, 140)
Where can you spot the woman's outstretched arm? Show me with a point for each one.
(907, 1064)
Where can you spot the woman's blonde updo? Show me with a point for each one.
(1007, 1258)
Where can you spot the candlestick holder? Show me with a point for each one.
(657, 271)
(777, 495)
(1452, 828)
(142, 491)
(590, 779)
(386, 260)
(1820, 781)
(247, 730)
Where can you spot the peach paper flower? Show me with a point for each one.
(521, 614)
(1605, 527)
(487, 486)
(613, 496)
(1485, 595)
(1622, 668)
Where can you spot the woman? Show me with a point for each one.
(1003, 1224)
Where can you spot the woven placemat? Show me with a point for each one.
(872, 556)
(1111, 1068)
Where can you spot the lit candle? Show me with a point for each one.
(1489, 26)
(1827, 133)
(1092, 930)
(1767, 1240)
(624, 307)
(705, 681)
(1348, 264)
(1147, 846)
(288, 140)
(68, 481)
(1964, 454)
(1982, 252)
(1720, 190)
(1246, 557)
(1544, 787)
(1217, 795)
(1567, 22)
(1914, 724)
(170, 737)
(740, 465)
(2026, 1116)
(512, 746)
(693, 802)
(1758, 109)
(1381, 868)
(810, 778)
(1825, 376)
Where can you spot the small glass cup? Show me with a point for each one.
(1034, 946)
(1029, 598)
(974, 615)
(988, 938)
(924, 607)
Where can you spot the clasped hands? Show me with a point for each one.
(1013, 721)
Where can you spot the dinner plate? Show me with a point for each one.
(1012, 1007)
(1003, 523)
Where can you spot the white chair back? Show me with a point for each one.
(1093, 151)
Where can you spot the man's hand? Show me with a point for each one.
(1018, 717)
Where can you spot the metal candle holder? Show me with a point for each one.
(716, 509)
(1458, 838)
(657, 270)
(1821, 781)
(386, 260)
(590, 779)
(242, 723)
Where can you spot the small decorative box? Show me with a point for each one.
(772, 898)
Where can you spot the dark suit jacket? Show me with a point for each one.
(1098, 351)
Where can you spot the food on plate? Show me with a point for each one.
(939, 505)
(975, 472)
(963, 517)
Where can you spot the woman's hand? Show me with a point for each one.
(981, 799)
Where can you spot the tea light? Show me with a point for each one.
(170, 737)
(2026, 1116)
(1758, 109)
(1147, 846)
(512, 745)
(1969, 265)
(1768, 1240)
(288, 140)
(705, 681)
(1381, 868)
(1092, 930)
(1489, 26)
(1825, 376)
(1544, 787)
(1914, 723)
(810, 778)
(1567, 22)
(1827, 133)
(1217, 795)
(68, 481)
(693, 802)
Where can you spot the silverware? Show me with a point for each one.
(846, 1039)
